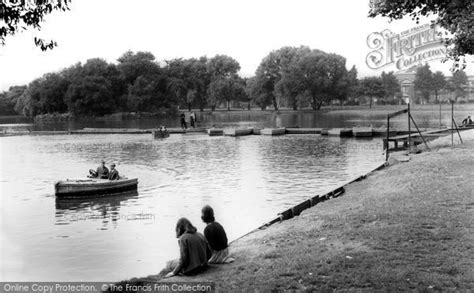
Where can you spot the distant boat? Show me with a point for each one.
(362, 131)
(160, 133)
(93, 187)
(325, 131)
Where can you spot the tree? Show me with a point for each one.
(91, 95)
(371, 87)
(456, 17)
(324, 77)
(200, 81)
(390, 84)
(438, 83)
(16, 16)
(148, 94)
(352, 80)
(95, 88)
(9, 99)
(132, 65)
(424, 81)
(271, 71)
(257, 94)
(459, 82)
(223, 80)
(222, 66)
(225, 89)
(290, 85)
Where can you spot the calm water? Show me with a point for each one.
(426, 116)
(247, 180)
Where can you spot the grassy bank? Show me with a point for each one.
(406, 227)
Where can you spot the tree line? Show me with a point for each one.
(290, 77)
(137, 83)
(428, 83)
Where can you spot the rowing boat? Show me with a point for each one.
(93, 187)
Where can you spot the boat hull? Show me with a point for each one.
(94, 187)
(157, 134)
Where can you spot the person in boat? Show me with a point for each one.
(113, 174)
(216, 237)
(467, 121)
(102, 172)
(163, 131)
(194, 251)
(183, 121)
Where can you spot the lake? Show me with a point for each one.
(426, 116)
(247, 181)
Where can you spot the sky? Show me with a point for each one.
(245, 30)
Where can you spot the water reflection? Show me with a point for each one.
(105, 210)
(343, 117)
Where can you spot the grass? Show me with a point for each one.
(408, 227)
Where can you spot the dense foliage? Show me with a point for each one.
(428, 83)
(291, 77)
(16, 16)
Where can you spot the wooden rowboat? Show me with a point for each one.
(93, 187)
(160, 133)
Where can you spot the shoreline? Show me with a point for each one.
(405, 227)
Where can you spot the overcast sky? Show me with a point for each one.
(245, 30)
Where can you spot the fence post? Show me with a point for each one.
(409, 127)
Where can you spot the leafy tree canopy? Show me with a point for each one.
(18, 15)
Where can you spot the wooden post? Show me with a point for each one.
(388, 134)
(452, 124)
(409, 127)
(440, 125)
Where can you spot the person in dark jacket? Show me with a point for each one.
(216, 237)
(194, 250)
(113, 174)
(102, 172)
(183, 121)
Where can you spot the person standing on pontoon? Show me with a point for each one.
(192, 118)
(183, 121)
